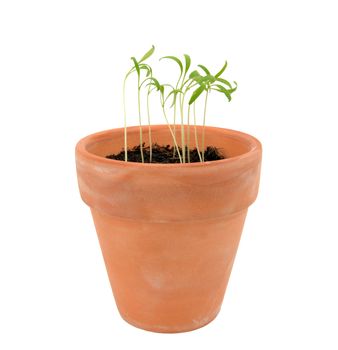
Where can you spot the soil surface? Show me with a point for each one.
(165, 154)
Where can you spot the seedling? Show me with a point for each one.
(138, 66)
(206, 84)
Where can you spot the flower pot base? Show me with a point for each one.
(195, 324)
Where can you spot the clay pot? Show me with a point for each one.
(168, 232)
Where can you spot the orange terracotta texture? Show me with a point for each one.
(169, 232)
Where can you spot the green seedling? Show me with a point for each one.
(138, 66)
(206, 84)
(184, 68)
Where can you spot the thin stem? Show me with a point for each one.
(182, 128)
(139, 117)
(196, 138)
(174, 127)
(204, 116)
(149, 130)
(172, 134)
(182, 95)
(188, 135)
(125, 120)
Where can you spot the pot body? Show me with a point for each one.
(169, 232)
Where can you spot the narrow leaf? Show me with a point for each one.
(147, 68)
(156, 83)
(162, 94)
(233, 89)
(177, 60)
(173, 92)
(224, 82)
(209, 79)
(194, 74)
(196, 93)
(137, 67)
(153, 82)
(169, 86)
(187, 63)
(197, 77)
(205, 69)
(222, 89)
(222, 70)
(148, 54)
(154, 87)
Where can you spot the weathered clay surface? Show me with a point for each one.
(169, 233)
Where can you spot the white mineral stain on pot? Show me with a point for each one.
(156, 281)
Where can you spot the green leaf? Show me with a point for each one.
(153, 82)
(224, 82)
(233, 89)
(194, 74)
(155, 86)
(222, 89)
(137, 67)
(147, 68)
(209, 79)
(148, 54)
(222, 70)
(187, 63)
(196, 94)
(174, 92)
(156, 83)
(205, 69)
(177, 60)
(162, 94)
(169, 86)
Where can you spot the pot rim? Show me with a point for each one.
(85, 142)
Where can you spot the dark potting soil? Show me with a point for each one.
(165, 154)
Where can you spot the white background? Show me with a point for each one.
(61, 70)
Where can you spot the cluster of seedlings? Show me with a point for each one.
(181, 100)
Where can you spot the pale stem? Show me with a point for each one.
(196, 137)
(204, 117)
(174, 126)
(149, 130)
(182, 127)
(140, 119)
(178, 82)
(125, 121)
(172, 134)
(188, 135)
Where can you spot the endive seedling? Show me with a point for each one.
(184, 68)
(163, 99)
(138, 66)
(206, 84)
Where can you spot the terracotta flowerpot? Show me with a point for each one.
(168, 232)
